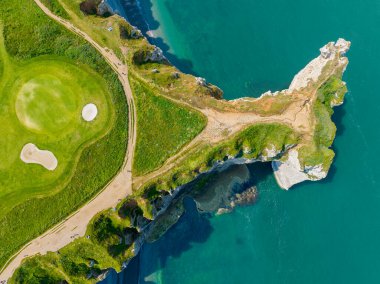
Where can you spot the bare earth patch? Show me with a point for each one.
(30, 154)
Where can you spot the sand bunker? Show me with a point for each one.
(30, 154)
(89, 112)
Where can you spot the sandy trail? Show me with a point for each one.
(219, 126)
(75, 225)
(222, 124)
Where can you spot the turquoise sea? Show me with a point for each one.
(321, 232)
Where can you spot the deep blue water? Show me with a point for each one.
(321, 232)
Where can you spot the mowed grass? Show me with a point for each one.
(41, 103)
(163, 127)
(39, 51)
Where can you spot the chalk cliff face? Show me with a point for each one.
(96, 7)
(290, 170)
(314, 69)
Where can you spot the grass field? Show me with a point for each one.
(56, 8)
(110, 229)
(41, 103)
(163, 127)
(47, 75)
(318, 152)
(250, 143)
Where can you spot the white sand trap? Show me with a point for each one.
(89, 112)
(30, 154)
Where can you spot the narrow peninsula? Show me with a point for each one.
(126, 136)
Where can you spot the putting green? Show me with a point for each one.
(46, 103)
(41, 101)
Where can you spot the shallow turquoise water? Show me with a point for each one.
(322, 232)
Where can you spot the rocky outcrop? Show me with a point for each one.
(96, 7)
(313, 70)
(209, 89)
(290, 172)
(247, 197)
(128, 31)
(104, 9)
(270, 153)
(201, 81)
(153, 55)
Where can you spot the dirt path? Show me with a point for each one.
(221, 125)
(75, 225)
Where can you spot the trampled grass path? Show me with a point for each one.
(75, 225)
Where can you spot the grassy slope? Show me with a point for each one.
(108, 227)
(94, 26)
(57, 125)
(253, 140)
(29, 33)
(56, 8)
(318, 152)
(250, 143)
(163, 127)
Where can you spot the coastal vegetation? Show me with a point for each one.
(111, 234)
(163, 127)
(56, 8)
(251, 143)
(36, 50)
(169, 106)
(318, 152)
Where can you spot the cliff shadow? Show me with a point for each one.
(337, 118)
(259, 171)
(192, 227)
(140, 14)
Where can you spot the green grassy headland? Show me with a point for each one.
(47, 74)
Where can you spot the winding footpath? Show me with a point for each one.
(297, 115)
(75, 225)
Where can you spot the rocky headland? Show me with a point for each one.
(292, 129)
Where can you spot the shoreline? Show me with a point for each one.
(215, 164)
(290, 172)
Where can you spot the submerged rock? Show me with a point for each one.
(246, 197)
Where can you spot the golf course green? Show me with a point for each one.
(41, 103)
(52, 156)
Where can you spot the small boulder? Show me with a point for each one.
(128, 31)
(175, 75)
(156, 55)
(201, 81)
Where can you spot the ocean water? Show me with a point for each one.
(318, 232)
